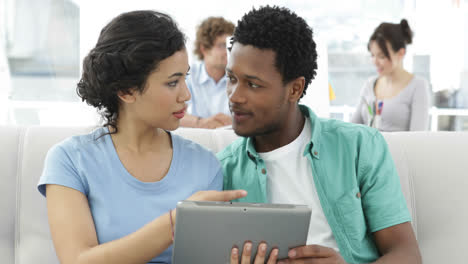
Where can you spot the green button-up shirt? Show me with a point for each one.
(354, 174)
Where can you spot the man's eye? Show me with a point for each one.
(253, 85)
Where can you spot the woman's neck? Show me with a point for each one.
(137, 137)
(397, 76)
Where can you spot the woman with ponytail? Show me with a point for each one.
(394, 100)
(111, 193)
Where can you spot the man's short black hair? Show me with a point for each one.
(287, 34)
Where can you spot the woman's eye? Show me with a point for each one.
(173, 84)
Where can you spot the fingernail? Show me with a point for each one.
(248, 246)
(292, 253)
(275, 252)
(234, 251)
(244, 192)
(263, 247)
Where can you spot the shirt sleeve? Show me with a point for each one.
(213, 170)
(419, 118)
(382, 198)
(59, 169)
(217, 182)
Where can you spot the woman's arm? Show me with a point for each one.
(357, 116)
(75, 239)
(74, 234)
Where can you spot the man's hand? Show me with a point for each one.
(259, 258)
(215, 121)
(223, 118)
(313, 254)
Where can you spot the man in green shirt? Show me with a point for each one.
(343, 171)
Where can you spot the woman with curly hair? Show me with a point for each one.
(394, 100)
(111, 193)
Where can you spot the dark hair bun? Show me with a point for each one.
(101, 72)
(407, 32)
(129, 48)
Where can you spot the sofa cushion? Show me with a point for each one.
(33, 235)
(9, 142)
(432, 167)
(437, 164)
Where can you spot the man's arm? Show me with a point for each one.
(383, 202)
(190, 121)
(215, 121)
(397, 244)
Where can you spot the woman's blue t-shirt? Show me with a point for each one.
(120, 204)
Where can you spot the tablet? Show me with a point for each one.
(205, 232)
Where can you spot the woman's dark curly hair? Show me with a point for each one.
(288, 35)
(129, 48)
(398, 35)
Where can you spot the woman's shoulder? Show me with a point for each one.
(419, 81)
(195, 157)
(371, 80)
(369, 84)
(191, 148)
(82, 141)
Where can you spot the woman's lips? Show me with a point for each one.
(180, 114)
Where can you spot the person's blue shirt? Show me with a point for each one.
(121, 204)
(208, 97)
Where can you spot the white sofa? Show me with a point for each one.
(433, 169)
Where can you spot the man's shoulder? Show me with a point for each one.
(196, 67)
(197, 71)
(233, 151)
(337, 129)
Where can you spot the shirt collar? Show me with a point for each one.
(204, 77)
(316, 129)
(313, 147)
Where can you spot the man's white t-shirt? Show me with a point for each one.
(290, 181)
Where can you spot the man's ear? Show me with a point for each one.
(296, 88)
(128, 97)
(203, 50)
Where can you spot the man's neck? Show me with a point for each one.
(215, 72)
(289, 131)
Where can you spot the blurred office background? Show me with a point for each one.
(42, 43)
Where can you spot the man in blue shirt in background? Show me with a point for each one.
(208, 107)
